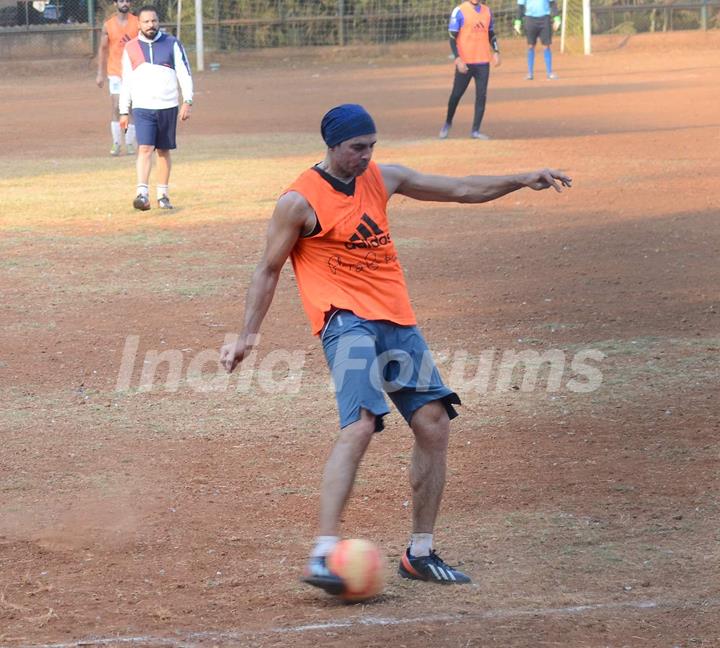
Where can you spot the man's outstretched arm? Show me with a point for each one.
(288, 222)
(468, 189)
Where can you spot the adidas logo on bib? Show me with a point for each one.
(368, 234)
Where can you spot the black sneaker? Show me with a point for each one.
(430, 568)
(318, 575)
(141, 202)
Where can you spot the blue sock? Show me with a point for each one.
(531, 60)
(548, 60)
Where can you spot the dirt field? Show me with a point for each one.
(182, 517)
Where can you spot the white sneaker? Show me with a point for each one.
(164, 202)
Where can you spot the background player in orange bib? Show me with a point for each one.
(332, 223)
(473, 44)
(121, 28)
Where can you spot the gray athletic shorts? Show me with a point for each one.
(369, 358)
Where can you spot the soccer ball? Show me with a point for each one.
(360, 564)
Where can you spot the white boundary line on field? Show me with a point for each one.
(187, 639)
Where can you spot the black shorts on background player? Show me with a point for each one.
(538, 28)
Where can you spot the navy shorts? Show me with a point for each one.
(367, 358)
(156, 127)
(538, 28)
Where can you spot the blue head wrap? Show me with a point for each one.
(345, 122)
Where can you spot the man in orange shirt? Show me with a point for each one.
(473, 44)
(117, 30)
(332, 223)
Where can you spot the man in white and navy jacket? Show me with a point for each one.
(153, 64)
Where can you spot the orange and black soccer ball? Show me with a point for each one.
(361, 565)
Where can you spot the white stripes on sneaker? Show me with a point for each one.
(442, 574)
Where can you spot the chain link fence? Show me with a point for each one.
(65, 28)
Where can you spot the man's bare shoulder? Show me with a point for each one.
(394, 170)
(292, 201)
(394, 175)
(293, 209)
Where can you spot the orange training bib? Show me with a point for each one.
(473, 41)
(118, 35)
(352, 262)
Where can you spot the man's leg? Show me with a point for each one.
(143, 164)
(481, 74)
(350, 347)
(337, 482)
(460, 84)
(130, 137)
(163, 167)
(167, 127)
(163, 170)
(431, 426)
(115, 124)
(531, 62)
(340, 470)
(548, 63)
(546, 40)
(532, 31)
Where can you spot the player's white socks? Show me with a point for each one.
(323, 546)
(130, 135)
(115, 131)
(420, 544)
(142, 190)
(162, 190)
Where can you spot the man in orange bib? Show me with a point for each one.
(117, 30)
(332, 223)
(474, 45)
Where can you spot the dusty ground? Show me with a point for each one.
(183, 518)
